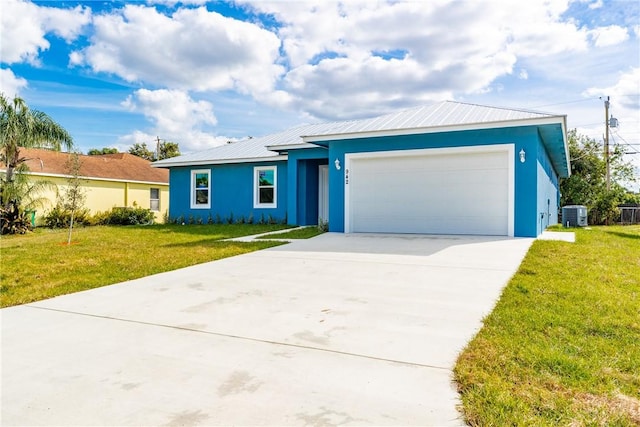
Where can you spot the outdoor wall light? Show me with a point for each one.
(337, 163)
(522, 156)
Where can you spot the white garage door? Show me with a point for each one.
(436, 191)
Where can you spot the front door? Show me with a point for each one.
(323, 194)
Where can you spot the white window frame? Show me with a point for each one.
(256, 187)
(151, 199)
(195, 205)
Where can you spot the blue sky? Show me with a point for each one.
(201, 73)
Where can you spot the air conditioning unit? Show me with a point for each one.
(574, 216)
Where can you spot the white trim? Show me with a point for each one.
(509, 148)
(91, 178)
(152, 199)
(192, 189)
(323, 193)
(566, 147)
(207, 162)
(256, 188)
(297, 146)
(434, 129)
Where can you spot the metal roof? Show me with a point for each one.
(246, 149)
(443, 116)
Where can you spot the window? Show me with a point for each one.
(200, 189)
(264, 187)
(154, 198)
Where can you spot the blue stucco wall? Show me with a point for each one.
(536, 181)
(303, 164)
(525, 174)
(547, 190)
(231, 192)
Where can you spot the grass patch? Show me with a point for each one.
(299, 233)
(561, 346)
(40, 265)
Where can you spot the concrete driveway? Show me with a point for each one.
(335, 330)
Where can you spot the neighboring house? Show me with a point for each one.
(448, 168)
(109, 180)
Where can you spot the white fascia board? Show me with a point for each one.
(93, 178)
(220, 161)
(435, 129)
(566, 145)
(287, 147)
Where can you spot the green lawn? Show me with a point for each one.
(40, 265)
(298, 233)
(562, 346)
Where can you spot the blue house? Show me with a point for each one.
(448, 168)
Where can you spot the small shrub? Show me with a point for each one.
(210, 219)
(262, 220)
(250, 219)
(14, 220)
(230, 218)
(125, 216)
(323, 225)
(59, 217)
(218, 219)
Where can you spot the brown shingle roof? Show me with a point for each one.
(120, 166)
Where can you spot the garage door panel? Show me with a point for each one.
(462, 193)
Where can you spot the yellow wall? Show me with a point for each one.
(103, 195)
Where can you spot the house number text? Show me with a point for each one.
(346, 176)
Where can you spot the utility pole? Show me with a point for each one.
(606, 142)
(158, 147)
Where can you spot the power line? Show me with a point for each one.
(626, 143)
(566, 102)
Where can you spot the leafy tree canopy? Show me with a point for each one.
(105, 150)
(587, 183)
(21, 127)
(166, 150)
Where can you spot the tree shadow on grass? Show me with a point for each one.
(629, 235)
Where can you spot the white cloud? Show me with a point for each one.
(193, 49)
(175, 116)
(341, 55)
(608, 36)
(625, 92)
(10, 84)
(625, 106)
(23, 27)
(523, 74)
(174, 2)
(596, 4)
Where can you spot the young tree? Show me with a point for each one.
(73, 196)
(587, 183)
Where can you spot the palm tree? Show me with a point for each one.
(21, 127)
